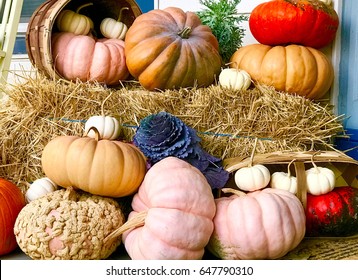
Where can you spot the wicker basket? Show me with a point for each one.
(345, 167)
(41, 26)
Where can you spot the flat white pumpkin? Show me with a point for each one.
(39, 188)
(320, 180)
(234, 79)
(252, 178)
(108, 127)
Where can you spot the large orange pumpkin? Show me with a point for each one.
(101, 167)
(294, 69)
(171, 48)
(87, 59)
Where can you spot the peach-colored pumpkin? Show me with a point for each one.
(180, 207)
(264, 224)
(87, 59)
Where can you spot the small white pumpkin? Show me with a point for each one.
(108, 127)
(39, 188)
(320, 180)
(284, 181)
(252, 178)
(234, 79)
(114, 29)
(73, 21)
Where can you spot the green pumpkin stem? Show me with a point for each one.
(121, 13)
(185, 32)
(83, 6)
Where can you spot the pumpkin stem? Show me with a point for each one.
(104, 101)
(121, 12)
(185, 33)
(288, 167)
(233, 191)
(83, 6)
(95, 131)
(137, 220)
(253, 153)
(313, 163)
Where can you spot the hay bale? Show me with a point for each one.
(227, 121)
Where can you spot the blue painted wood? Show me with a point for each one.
(145, 5)
(348, 81)
(350, 145)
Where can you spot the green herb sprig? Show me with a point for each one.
(224, 20)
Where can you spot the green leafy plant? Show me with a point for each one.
(224, 20)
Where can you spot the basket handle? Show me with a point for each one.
(301, 182)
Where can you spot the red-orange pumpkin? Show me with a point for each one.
(87, 59)
(11, 202)
(171, 48)
(294, 69)
(311, 23)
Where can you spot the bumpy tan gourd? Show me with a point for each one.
(68, 225)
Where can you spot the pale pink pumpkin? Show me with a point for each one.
(87, 59)
(264, 224)
(180, 207)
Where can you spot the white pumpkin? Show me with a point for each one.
(39, 188)
(108, 127)
(114, 29)
(234, 79)
(284, 181)
(252, 178)
(320, 180)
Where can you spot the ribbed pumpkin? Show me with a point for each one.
(101, 167)
(171, 48)
(179, 207)
(294, 69)
(311, 23)
(87, 59)
(264, 224)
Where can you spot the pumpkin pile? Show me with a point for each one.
(184, 200)
(291, 34)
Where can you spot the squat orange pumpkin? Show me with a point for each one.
(101, 167)
(294, 69)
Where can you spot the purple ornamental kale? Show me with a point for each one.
(161, 135)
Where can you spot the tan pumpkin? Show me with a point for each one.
(171, 48)
(264, 224)
(294, 69)
(179, 207)
(70, 21)
(102, 167)
(68, 225)
(82, 57)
